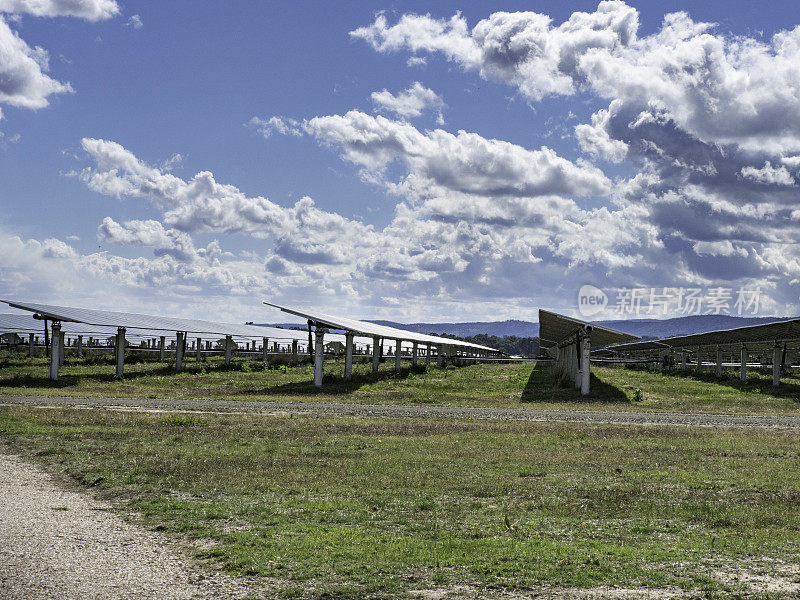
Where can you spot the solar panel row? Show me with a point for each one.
(77, 321)
(372, 329)
(570, 340)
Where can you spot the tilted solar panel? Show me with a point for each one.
(104, 318)
(555, 328)
(779, 331)
(371, 329)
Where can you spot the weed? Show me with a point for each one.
(179, 420)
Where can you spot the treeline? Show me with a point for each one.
(510, 344)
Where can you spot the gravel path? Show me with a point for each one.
(392, 410)
(57, 544)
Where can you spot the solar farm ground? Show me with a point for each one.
(498, 385)
(334, 506)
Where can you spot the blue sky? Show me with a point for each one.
(611, 151)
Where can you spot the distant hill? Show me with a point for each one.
(646, 328)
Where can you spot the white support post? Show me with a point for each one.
(162, 347)
(744, 355)
(54, 350)
(376, 356)
(719, 361)
(398, 344)
(265, 348)
(414, 350)
(776, 365)
(348, 355)
(439, 355)
(120, 352)
(199, 350)
(428, 354)
(179, 343)
(31, 339)
(585, 364)
(228, 349)
(319, 348)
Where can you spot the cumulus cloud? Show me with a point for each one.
(768, 174)
(275, 124)
(721, 89)
(23, 70)
(91, 10)
(302, 232)
(595, 139)
(463, 163)
(409, 103)
(703, 122)
(708, 122)
(522, 48)
(149, 233)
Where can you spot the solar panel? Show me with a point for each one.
(371, 329)
(152, 323)
(555, 328)
(779, 331)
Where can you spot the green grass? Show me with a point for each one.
(494, 385)
(353, 507)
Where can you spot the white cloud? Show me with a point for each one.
(718, 248)
(23, 79)
(721, 89)
(462, 163)
(135, 21)
(596, 140)
(522, 48)
(302, 232)
(281, 125)
(91, 10)
(151, 234)
(411, 102)
(768, 174)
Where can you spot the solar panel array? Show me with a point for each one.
(372, 329)
(555, 329)
(768, 333)
(104, 324)
(152, 323)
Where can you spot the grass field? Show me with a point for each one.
(496, 385)
(339, 507)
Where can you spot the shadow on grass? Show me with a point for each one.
(542, 388)
(759, 381)
(334, 384)
(68, 380)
